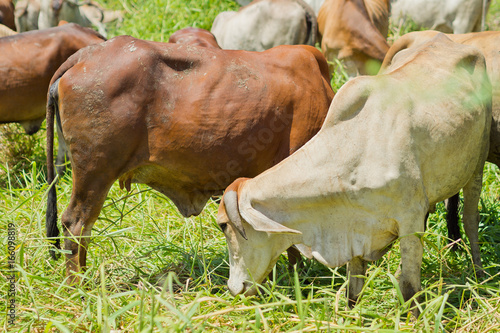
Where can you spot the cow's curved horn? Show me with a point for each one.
(233, 212)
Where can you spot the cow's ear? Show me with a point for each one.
(230, 204)
(260, 222)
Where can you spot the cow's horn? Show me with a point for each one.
(233, 212)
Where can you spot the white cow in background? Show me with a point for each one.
(451, 16)
(42, 14)
(315, 4)
(53, 11)
(386, 152)
(265, 24)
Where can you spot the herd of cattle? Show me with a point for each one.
(336, 178)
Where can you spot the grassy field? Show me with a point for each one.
(151, 270)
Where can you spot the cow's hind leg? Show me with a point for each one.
(89, 193)
(356, 271)
(472, 193)
(411, 262)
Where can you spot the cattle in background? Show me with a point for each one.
(452, 16)
(42, 14)
(26, 15)
(27, 62)
(186, 121)
(488, 43)
(264, 24)
(194, 36)
(315, 4)
(354, 31)
(6, 31)
(386, 152)
(7, 14)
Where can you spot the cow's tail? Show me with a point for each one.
(51, 214)
(312, 23)
(452, 218)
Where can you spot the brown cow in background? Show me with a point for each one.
(6, 31)
(194, 36)
(27, 62)
(355, 31)
(186, 121)
(7, 14)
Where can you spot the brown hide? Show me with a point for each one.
(27, 62)
(349, 34)
(194, 36)
(7, 14)
(185, 120)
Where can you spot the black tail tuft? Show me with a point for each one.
(452, 218)
(51, 215)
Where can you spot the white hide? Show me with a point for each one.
(487, 42)
(315, 4)
(387, 150)
(261, 26)
(26, 15)
(452, 16)
(84, 14)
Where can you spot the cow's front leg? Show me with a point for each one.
(411, 262)
(356, 269)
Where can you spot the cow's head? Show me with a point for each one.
(254, 243)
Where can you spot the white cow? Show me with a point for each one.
(452, 16)
(266, 23)
(53, 11)
(488, 43)
(315, 4)
(43, 14)
(382, 157)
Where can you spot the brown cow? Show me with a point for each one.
(7, 14)
(354, 31)
(28, 61)
(6, 31)
(204, 38)
(488, 43)
(195, 37)
(185, 120)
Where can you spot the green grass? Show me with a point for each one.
(150, 270)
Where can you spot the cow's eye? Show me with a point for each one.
(223, 227)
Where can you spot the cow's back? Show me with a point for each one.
(487, 42)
